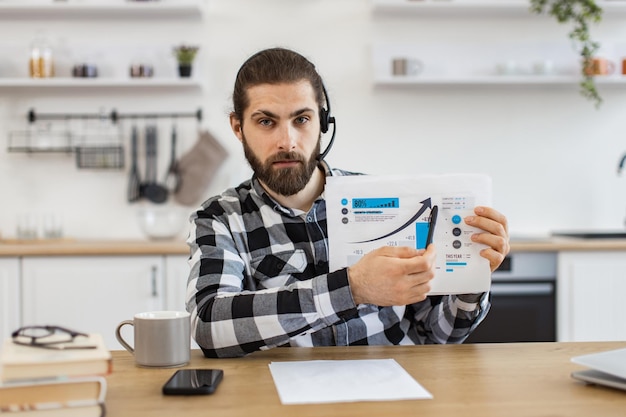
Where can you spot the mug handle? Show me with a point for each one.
(119, 337)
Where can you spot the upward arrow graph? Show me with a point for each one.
(426, 204)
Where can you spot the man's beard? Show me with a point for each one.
(284, 181)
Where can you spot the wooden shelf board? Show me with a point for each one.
(496, 80)
(104, 9)
(99, 82)
(473, 7)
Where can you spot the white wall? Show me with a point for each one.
(552, 155)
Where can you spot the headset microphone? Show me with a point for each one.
(325, 121)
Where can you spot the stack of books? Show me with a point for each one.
(38, 382)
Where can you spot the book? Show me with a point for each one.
(93, 410)
(32, 394)
(52, 397)
(19, 362)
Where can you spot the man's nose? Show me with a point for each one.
(287, 138)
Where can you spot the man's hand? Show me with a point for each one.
(496, 234)
(391, 276)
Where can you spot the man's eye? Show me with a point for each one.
(302, 120)
(265, 122)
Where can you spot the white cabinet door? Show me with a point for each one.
(10, 318)
(590, 296)
(176, 274)
(91, 293)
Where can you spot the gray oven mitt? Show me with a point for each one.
(197, 168)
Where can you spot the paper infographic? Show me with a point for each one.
(366, 212)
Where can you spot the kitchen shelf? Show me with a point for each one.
(100, 82)
(101, 9)
(494, 80)
(463, 8)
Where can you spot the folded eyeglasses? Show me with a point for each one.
(49, 337)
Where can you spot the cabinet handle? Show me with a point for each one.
(155, 293)
(522, 289)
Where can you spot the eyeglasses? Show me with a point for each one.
(49, 337)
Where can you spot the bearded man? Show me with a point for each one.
(259, 252)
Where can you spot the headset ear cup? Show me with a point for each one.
(324, 120)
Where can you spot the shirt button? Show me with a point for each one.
(280, 265)
(309, 219)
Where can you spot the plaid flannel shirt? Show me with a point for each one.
(259, 279)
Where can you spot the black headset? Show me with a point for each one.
(325, 121)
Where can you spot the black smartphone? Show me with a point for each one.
(432, 222)
(193, 382)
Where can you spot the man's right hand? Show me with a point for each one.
(392, 276)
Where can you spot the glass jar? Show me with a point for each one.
(41, 59)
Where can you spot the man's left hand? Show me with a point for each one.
(495, 235)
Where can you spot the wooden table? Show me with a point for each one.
(516, 379)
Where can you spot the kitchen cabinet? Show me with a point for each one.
(91, 293)
(590, 296)
(176, 273)
(9, 296)
(466, 62)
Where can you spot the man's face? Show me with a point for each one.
(280, 133)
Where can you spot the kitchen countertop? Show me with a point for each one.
(78, 247)
(557, 244)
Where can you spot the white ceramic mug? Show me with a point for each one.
(599, 66)
(406, 66)
(162, 338)
(509, 67)
(543, 67)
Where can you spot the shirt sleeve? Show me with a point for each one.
(450, 318)
(228, 321)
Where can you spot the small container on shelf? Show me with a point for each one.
(141, 71)
(41, 64)
(85, 71)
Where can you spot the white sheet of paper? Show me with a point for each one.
(328, 381)
(366, 212)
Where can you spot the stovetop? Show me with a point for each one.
(592, 234)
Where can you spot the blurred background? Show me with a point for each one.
(496, 92)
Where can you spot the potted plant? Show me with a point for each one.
(185, 55)
(580, 13)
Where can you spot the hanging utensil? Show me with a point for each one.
(134, 182)
(172, 177)
(152, 190)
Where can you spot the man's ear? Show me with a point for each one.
(236, 126)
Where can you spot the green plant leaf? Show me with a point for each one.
(579, 13)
